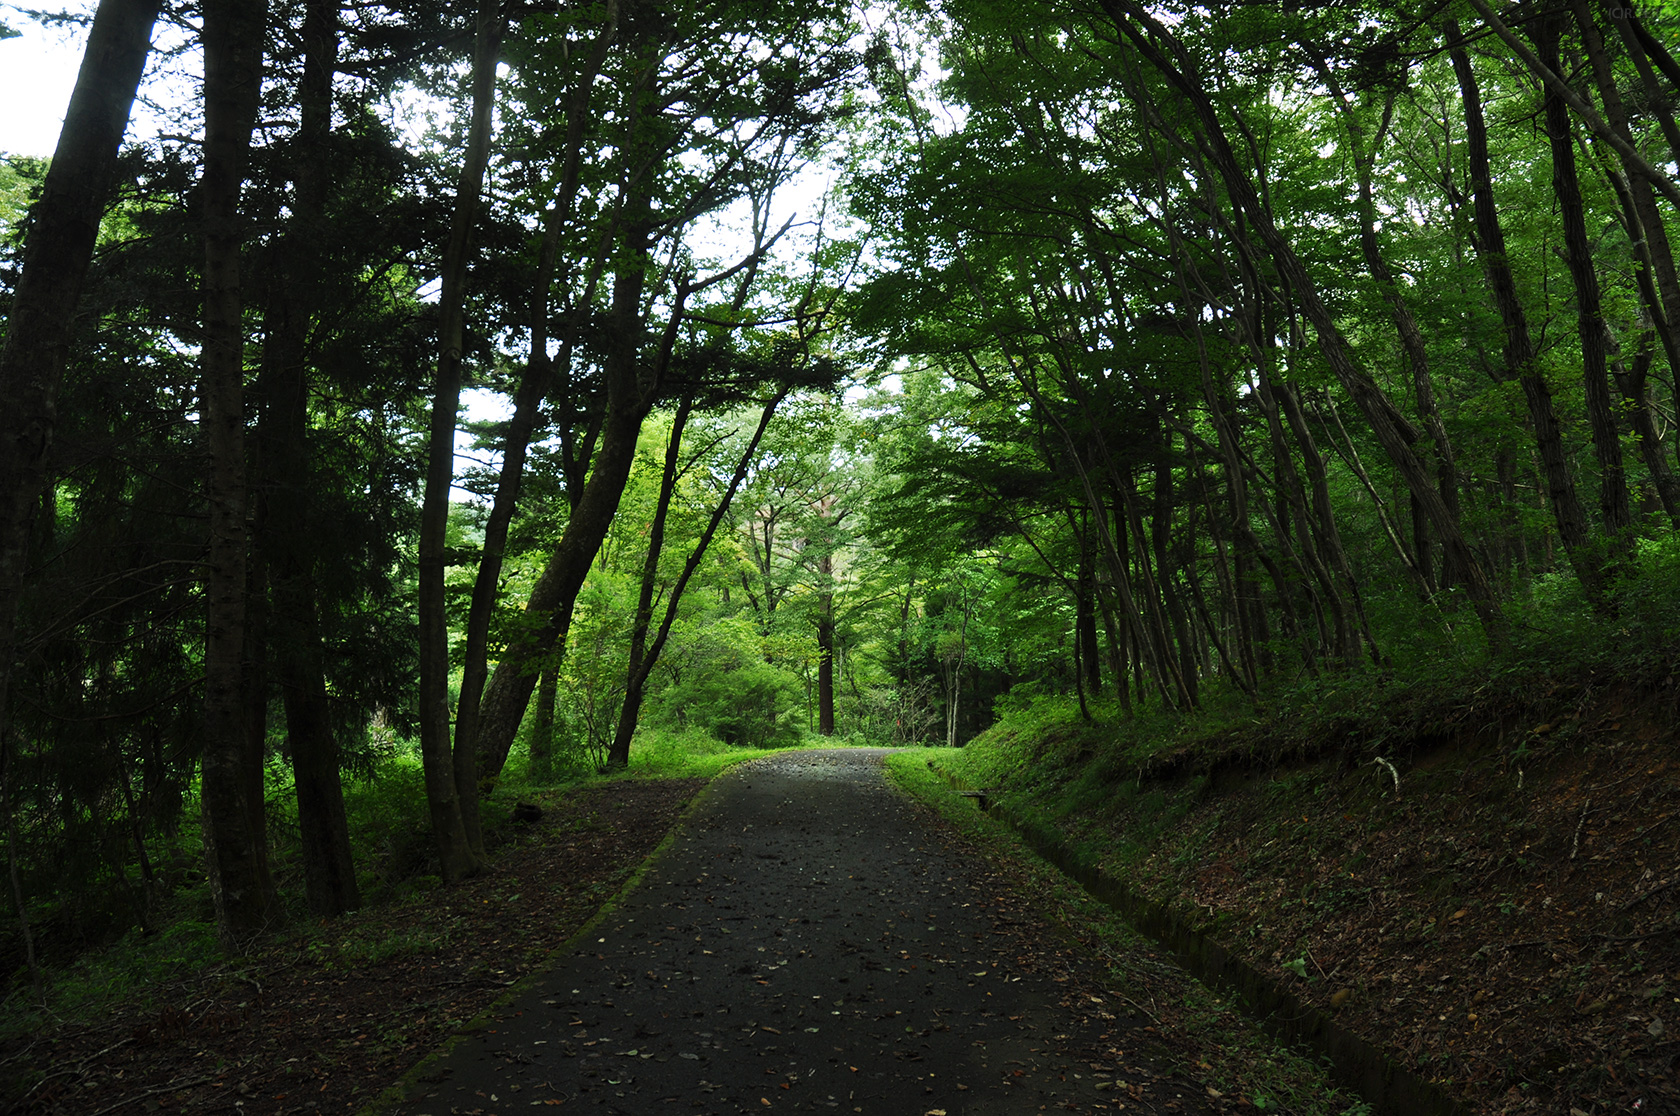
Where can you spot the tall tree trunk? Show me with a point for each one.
(286, 536)
(1522, 363)
(549, 606)
(542, 728)
(1324, 515)
(62, 235)
(1085, 613)
(1632, 385)
(825, 643)
(618, 754)
(451, 774)
(1647, 229)
(534, 387)
(1160, 531)
(238, 865)
(1597, 346)
(1400, 312)
(643, 655)
(1392, 432)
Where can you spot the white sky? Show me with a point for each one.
(37, 72)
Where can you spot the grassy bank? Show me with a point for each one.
(1208, 1032)
(1473, 869)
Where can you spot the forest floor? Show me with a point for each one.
(323, 1020)
(1496, 903)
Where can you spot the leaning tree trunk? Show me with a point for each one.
(534, 387)
(1647, 230)
(1392, 433)
(1400, 312)
(451, 777)
(1522, 363)
(237, 863)
(549, 607)
(1597, 345)
(64, 229)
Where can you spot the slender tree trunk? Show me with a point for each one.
(618, 756)
(1392, 432)
(549, 607)
(542, 729)
(1597, 346)
(1632, 385)
(1085, 615)
(9, 806)
(1160, 537)
(644, 657)
(253, 686)
(1324, 515)
(1647, 230)
(1405, 325)
(286, 537)
(1521, 362)
(534, 387)
(825, 643)
(63, 231)
(237, 863)
(451, 774)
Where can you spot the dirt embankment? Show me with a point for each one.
(1498, 904)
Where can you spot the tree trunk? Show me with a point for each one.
(451, 774)
(1405, 325)
(534, 387)
(825, 643)
(62, 235)
(618, 755)
(1085, 615)
(286, 534)
(1392, 433)
(548, 610)
(1597, 346)
(1521, 362)
(237, 863)
(542, 729)
(643, 656)
(1647, 230)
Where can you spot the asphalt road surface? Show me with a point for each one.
(807, 942)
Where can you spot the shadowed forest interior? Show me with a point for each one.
(440, 406)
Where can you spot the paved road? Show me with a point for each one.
(808, 942)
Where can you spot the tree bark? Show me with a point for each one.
(285, 537)
(237, 863)
(64, 230)
(548, 610)
(534, 387)
(1151, 38)
(1597, 346)
(1521, 362)
(451, 774)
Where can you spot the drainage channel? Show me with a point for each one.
(1386, 1085)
